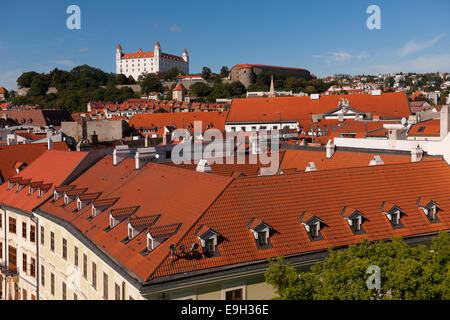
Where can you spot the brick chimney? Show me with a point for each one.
(120, 153)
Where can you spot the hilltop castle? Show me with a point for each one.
(134, 64)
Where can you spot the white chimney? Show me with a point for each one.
(315, 96)
(376, 161)
(50, 143)
(144, 155)
(330, 148)
(120, 153)
(311, 167)
(416, 154)
(444, 121)
(203, 166)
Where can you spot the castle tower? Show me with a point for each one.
(272, 88)
(186, 59)
(178, 92)
(119, 52)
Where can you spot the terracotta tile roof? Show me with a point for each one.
(122, 213)
(146, 221)
(164, 231)
(281, 199)
(88, 196)
(426, 128)
(299, 159)
(75, 192)
(387, 105)
(40, 117)
(36, 184)
(52, 167)
(14, 179)
(24, 182)
(25, 153)
(18, 164)
(180, 196)
(105, 202)
(179, 87)
(64, 188)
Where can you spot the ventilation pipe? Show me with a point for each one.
(120, 153)
(416, 154)
(330, 148)
(376, 161)
(311, 167)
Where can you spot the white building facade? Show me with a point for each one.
(135, 64)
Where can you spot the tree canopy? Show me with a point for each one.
(407, 272)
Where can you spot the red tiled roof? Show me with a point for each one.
(104, 202)
(280, 200)
(179, 87)
(146, 221)
(240, 66)
(123, 212)
(164, 231)
(387, 105)
(426, 128)
(25, 153)
(88, 196)
(180, 196)
(52, 167)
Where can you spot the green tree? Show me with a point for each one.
(407, 272)
(206, 73)
(151, 83)
(37, 88)
(200, 89)
(224, 72)
(24, 81)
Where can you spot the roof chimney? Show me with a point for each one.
(311, 167)
(330, 148)
(203, 166)
(144, 155)
(376, 161)
(444, 121)
(120, 153)
(416, 154)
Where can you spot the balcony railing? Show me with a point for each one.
(8, 271)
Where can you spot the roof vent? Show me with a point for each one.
(330, 148)
(315, 96)
(120, 153)
(376, 161)
(311, 167)
(144, 155)
(376, 92)
(416, 154)
(203, 166)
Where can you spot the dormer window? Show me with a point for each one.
(261, 233)
(312, 225)
(157, 235)
(430, 208)
(130, 232)
(209, 241)
(394, 214)
(354, 219)
(98, 206)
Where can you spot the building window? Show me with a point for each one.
(33, 267)
(12, 225)
(1, 221)
(117, 291)
(24, 294)
(12, 258)
(52, 284)
(209, 247)
(234, 294)
(52, 241)
(42, 235)
(85, 266)
(94, 275)
(43, 276)
(105, 286)
(24, 262)
(262, 238)
(64, 249)
(75, 297)
(76, 256)
(24, 230)
(1, 250)
(32, 233)
(64, 291)
(314, 231)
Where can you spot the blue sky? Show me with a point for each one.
(323, 36)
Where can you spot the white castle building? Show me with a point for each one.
(134, 64)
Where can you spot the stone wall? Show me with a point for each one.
(106, 130)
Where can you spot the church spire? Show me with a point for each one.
(272, 88)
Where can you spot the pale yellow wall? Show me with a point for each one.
(65, 270)
(23, 245)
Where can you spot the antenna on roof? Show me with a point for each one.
(172, 250)
(194, 246)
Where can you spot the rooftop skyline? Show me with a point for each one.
(325, 37)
